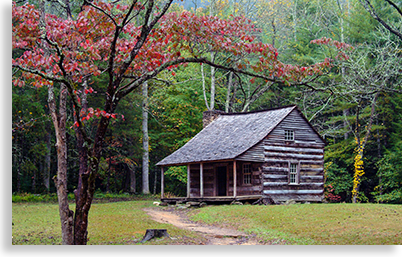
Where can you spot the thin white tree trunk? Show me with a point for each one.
(229, 89)
(145, 140)
(204, 91)
(212, 98)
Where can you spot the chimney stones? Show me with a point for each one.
(210, 116)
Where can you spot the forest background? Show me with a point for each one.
(356, 106)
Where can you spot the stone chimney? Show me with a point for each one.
(210, 116)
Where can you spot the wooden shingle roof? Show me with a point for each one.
(227, 137)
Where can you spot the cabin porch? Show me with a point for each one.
(213, 199)
(223, 181)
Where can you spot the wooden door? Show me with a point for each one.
(221, 180)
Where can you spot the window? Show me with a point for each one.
(247, 174)
(289, 135)
(293, 176)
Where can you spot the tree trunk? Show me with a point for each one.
(211, 105)
(274, 32)
(34, 175)
(229, 89)
(346, 113)
(361, 144)
(84, 194)
(108, 175)
(359, 172)
(46, 170)
(155, 179)
(17, 162)
(81, 193)
(145, 140)
(295, 22)
(59, 122)
(204, 91)
(212, 97)
(133, 181)
(85, 191)
(83, 199)
(86, 181)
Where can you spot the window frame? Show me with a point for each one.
(294, 172)
(289, 135)
(248, 174)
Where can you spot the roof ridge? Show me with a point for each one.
(257, 111)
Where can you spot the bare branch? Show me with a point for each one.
(399, 10)
(126, 18)
(161, 14)
(367, 5)
(86, 2)
(41, 74)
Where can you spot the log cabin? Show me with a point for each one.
(268, 156)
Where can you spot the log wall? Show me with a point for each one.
(306, 150)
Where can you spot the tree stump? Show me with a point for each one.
(151, 233)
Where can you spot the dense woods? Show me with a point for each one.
(338, 60)
(356, 106)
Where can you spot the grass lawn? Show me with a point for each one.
(323, 224)
(126, 223)
(109, 223)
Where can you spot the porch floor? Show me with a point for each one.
(213, 199)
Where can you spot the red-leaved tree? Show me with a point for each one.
(129, 45)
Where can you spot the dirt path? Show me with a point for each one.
(214, 235)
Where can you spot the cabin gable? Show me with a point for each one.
(293, 168)
(303, 132)
(293, 130)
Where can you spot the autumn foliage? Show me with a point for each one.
(74, 49)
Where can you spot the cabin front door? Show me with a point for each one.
(221, 179)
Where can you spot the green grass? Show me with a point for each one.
(323, 224)
(126, 223)
(109, 223)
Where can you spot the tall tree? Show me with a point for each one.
(145, 140)
(371, 71)
(59, 118)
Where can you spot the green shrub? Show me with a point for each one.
(36, 198)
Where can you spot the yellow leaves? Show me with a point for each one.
(359, 170)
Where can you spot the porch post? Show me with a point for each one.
(234, 179)
(201, 180)
(188, 180)
(162, 183)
